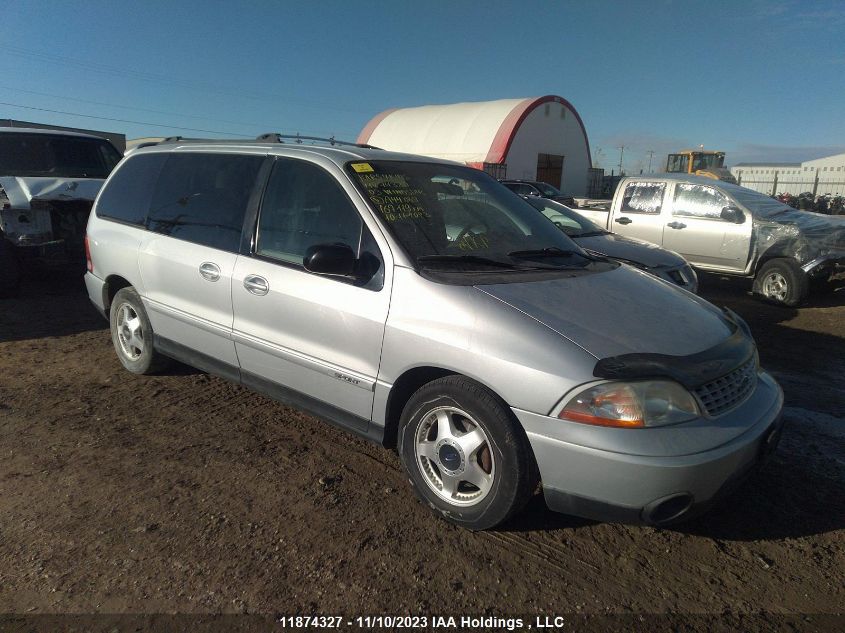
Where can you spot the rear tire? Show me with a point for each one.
(782, 281)
(465, 455)
(10, 270)
(132, 334)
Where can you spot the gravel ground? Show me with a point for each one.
(183, 493)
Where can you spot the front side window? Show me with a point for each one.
(643, 197)
(304, 206)
(698, 201)
(202, 198)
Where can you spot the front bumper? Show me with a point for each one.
(679, 474)
(831, 263)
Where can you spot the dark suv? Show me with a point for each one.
(539, 189)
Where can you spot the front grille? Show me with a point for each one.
(725, 393)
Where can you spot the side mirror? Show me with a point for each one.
(330, 259)
(733, 214)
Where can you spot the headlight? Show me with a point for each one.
(632, 404)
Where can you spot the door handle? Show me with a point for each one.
(676, 225)
(623, 220)
(210, 271)
(256, 284)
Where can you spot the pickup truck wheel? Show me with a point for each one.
(782, 281)
(466, 456)
(10, 271)
(132, 334)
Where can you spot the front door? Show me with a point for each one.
(298, 333)
(697, 231)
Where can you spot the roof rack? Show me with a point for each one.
(275, 137)
(270, 137)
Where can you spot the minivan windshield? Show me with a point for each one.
(55, 156)
(444, 214)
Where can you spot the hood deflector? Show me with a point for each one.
(691, 371)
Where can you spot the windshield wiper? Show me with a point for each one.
(468, 259)
(484, 261)
(588, 234)
(550, 251)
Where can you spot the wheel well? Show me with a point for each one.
(769, 256)
(110, 288)
(785, 258)
(401, 392)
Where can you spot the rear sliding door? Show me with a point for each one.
(188, 255)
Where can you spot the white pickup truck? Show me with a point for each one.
(727, 229)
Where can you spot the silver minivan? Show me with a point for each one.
(422, 305)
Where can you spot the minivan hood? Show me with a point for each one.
(622, 311)
(21, 190)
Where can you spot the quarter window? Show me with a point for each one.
(304, 206)
(699, 201)
(643, 197)
(202, 198)
(127, 196)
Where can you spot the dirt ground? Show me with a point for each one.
(183, 493)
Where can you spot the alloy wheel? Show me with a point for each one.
(454, 456)
(775, 286)
(130, 333)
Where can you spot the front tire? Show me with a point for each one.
(132, 334)
(782, 281)
(465, 455)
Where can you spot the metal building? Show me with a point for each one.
(819, 176)
(539, 138)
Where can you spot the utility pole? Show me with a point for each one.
(650, 154)
(621, 153)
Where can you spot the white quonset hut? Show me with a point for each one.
(540, 138)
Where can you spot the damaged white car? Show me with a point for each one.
(48, 182)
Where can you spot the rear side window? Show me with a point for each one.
(643, 197)
(126, 198)
(202, 198)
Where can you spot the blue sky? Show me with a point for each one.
(760, 80)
